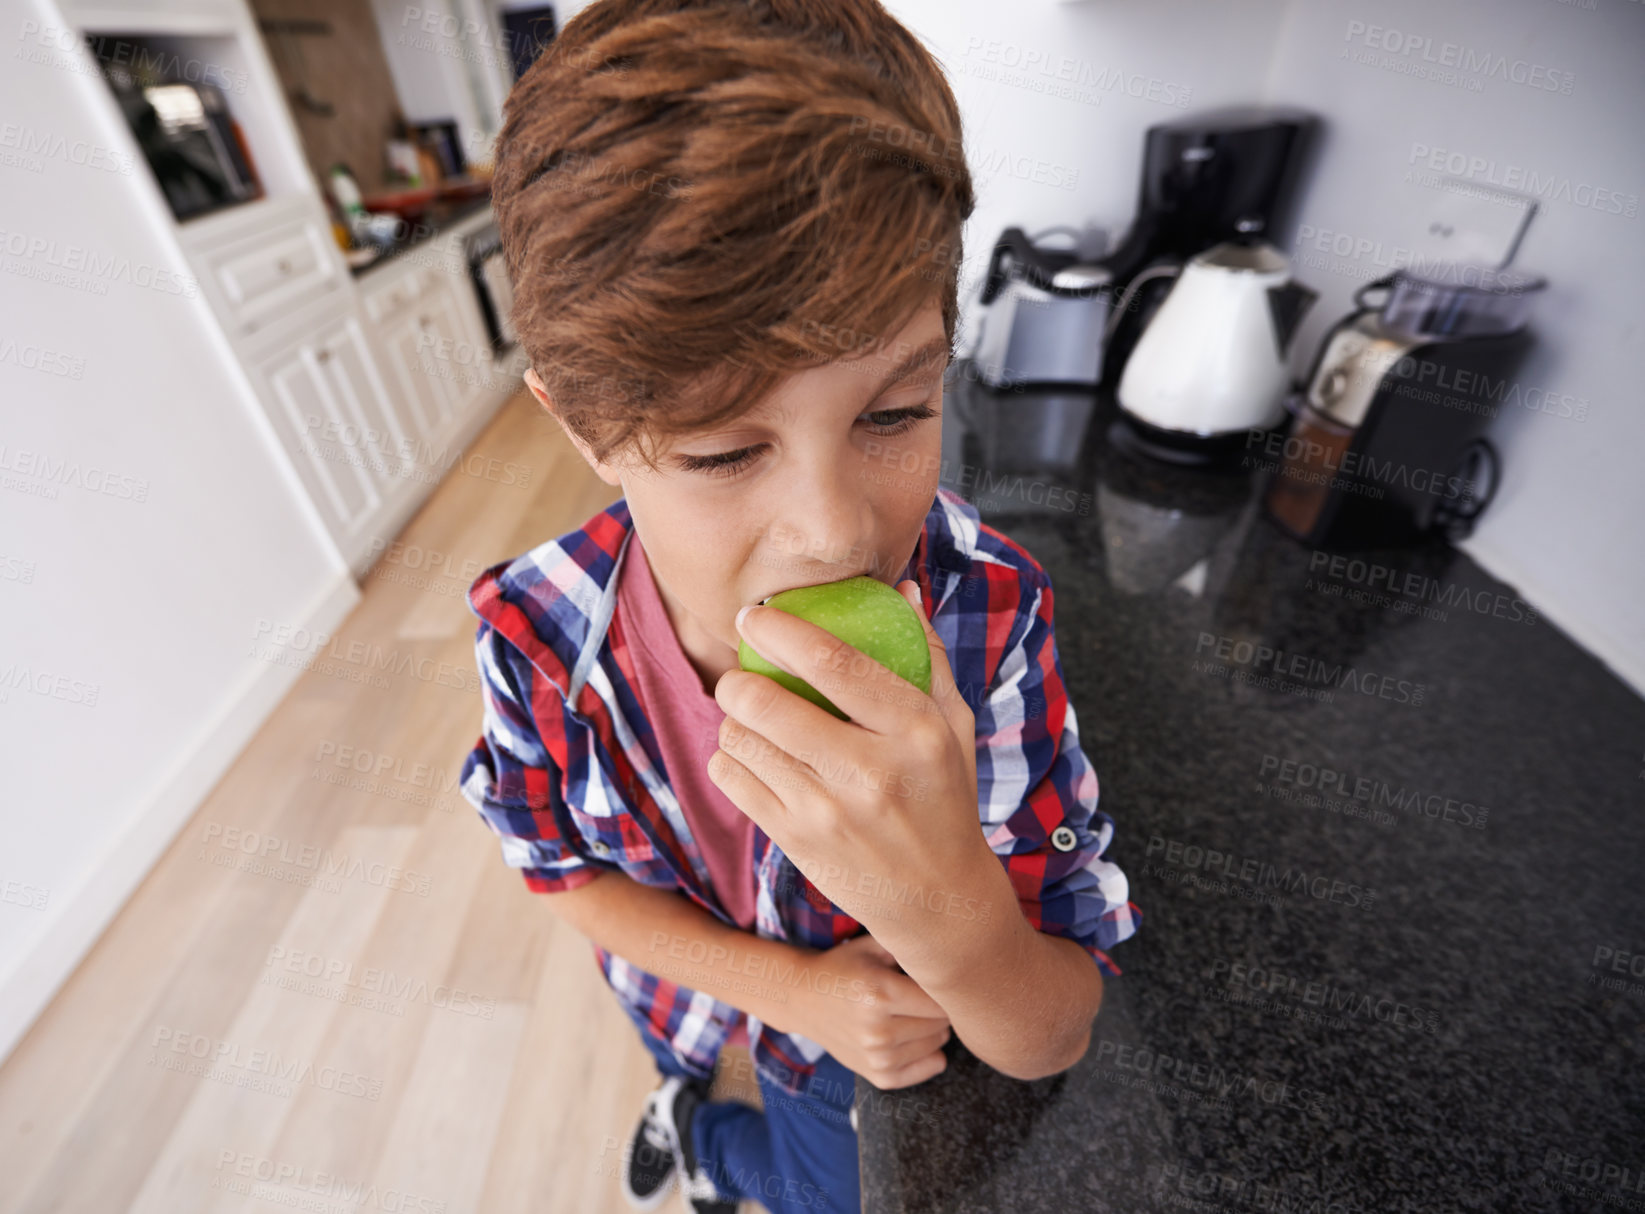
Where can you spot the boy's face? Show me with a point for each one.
(833, 475)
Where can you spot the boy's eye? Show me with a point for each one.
(726, 463)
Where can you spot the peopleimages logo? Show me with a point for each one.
(1309, 670)
(1342, 1000)
(1064, 76)
(1469, 391)
(1372, 576)
(1607, 1173)
(1209, 1077)
(263, 1179)
(71, 264)
(1544, 186)
(1332, 782)
(1611, 960)
(1420, 49)
(1260, 873)
(1319, 457)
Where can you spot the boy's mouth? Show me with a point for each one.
(803, 585)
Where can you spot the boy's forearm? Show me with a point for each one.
(1021, 1000)
(1024, 1005)
(669, 935)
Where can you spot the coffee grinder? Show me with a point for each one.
(1387, 444)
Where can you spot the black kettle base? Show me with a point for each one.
(1219, 452)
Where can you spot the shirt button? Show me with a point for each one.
(1063, 839)
(599, 848)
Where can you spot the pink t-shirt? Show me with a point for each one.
(687, 722)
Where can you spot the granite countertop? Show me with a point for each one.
(440, 216)
(1454, 1019)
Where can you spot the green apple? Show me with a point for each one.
(864, 613)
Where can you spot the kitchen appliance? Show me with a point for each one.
(488, 270)
(1055, 317)
(1211, 366)
(1206, 179)
(1387, 443)
(1044, 318)
(190, 140)
(440, 138)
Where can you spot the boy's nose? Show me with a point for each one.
(828, 521)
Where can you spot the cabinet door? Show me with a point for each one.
(327, 402)
(419, 395)
(305, 413)
(350, 376)
(455, 363)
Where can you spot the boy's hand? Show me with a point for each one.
(872, 1017)
(885, 801)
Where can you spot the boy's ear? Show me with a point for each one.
(605, 472)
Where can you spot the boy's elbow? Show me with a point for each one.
(1048, 1064)
(1077, 1042)
(1070, 1055)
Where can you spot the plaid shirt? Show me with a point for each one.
(569, 775)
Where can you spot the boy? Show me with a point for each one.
(733, 229)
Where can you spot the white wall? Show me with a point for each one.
(1056, 98)
(1563, 527)
(1560, 528)
(145, 607)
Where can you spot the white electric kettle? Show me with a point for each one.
(1212, 361)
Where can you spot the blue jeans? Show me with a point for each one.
(797, 1156)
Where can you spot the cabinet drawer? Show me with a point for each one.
(401, 293)
(262, 276)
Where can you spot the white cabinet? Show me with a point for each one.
(418, 328)
(372, 386)
(336, 422)
(436, 358)
(263, 261)
(262, 275)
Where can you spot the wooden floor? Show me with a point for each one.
(414, 1033)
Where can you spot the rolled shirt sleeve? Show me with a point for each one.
(1037, 792)
(510, 777)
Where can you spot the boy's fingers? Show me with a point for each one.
(915, 1072)
(905, 1052)
(907, 998)
(748, 793)
(929, 1039)
(906, 1027)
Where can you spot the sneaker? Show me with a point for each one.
(652, 1152)
(672, 1106)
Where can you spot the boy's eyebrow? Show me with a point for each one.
(917, 361)
(933, 350)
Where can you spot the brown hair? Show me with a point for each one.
(698, 197)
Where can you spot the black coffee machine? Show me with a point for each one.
(1218, 176)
